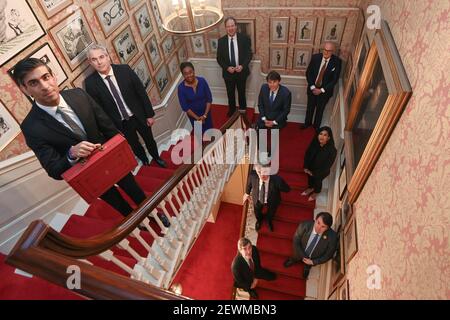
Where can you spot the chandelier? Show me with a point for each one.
(186, 17)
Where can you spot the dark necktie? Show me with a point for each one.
(71, 123)
(251, 264)
(119, 101)
(232, 58)
(311, 246)
(272, 97)
(262, 192)
(318, 83)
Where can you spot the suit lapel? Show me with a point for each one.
(102, 86)
(52, 123)
(121, 81)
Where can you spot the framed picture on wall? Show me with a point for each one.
(247, 27)
(78, 82)
(9, 128)
(19, 28)
(333, 30)
(154, 96)
(347, 210)
(302, 57)
(350, 240)
(279, 30)
(347, 72)
(143, 21)
(198, 44)
(52, 7)
(342, 182)
(167, 46)
(110, 15)
(338, 262)
(162, 79)
(143, 72)
(174, 66)
(277, 57)
(153, 52)
(182, 54)
(158, 19)
(73, 37)
(125, 45)
(132, 3)
(213, 41)
(306, 30)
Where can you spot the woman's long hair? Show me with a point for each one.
(330, 133)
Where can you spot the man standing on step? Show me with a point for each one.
(64, 127)
(247, 269)
(322, 75)
(314, 243)
(234, 54)
(266, 193)
(121, 94)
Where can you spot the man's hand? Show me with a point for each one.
(245, 198)
(268, 123)
(308, 172)
(316, 91)
(83, 149)
(239, 68)
(308, 261)
(254, 284)
(231, 69)
(150, 121)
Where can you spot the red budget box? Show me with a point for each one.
(100, 171)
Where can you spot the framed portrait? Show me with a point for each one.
(213, 42)
(347, 72)
(125, 45)
(20, 28)
(110, 15)
(333, 30)
(182, 54)
(158, 19)
(167, 46)
(198, 44)
(174, 66)
(342, 182)
(73, 37)
(343, 291)
(306, 30)
(347, 210)
(178, 40)
(132, 3)
(143, 21)
(52, 7)
(153, 52)
(143, 72)
(277, 57)
(78, 82)
(338, 262)
(154, 96)
(302, 57)
(350, 240)
(247, 27)
(46, 55)
(279, 30)
(162, 79)
(9, 128)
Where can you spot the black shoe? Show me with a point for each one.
(270, 226)
(304, 126)
(161, 163)
(289, 262)
(253, 294)
(257, 225)
(145, 162)
(306, 273)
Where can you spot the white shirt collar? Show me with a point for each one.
(276, 91)
(51, 110)
(234, 37)
(110, 73)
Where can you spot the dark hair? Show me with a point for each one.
(243, 242)
(326, 218)
(23, 67)
(274, 76)
(185, 65)
(228, 19)
(330, 133)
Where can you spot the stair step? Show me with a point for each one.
(274, 262)
(275, 245)
(149, 184)
(281, 229)
(294, 198)
(101, 210)
(267, 294)
(293, 214)
(296, 180)
(285, 284)
(155, 172)
(84, 227)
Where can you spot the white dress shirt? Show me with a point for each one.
(320, 68)
(266, 192)
(311, 237)
(114, 80)
(236, 50)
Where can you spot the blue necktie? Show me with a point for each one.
(272, 97)
(232, 58)
(311, 246)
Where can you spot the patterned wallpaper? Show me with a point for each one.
(18, 104)
(403, 212)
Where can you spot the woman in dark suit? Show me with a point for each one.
(319, 158)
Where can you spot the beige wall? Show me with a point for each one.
(403, 212)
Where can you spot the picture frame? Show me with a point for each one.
(346, 209)
(132, 3)
(277, 57)
(338, 263)
(306, 30)
(182, 54)
(153, 52)
(198, 44)
(279, 30)
(342, 182)
(73, 37)
(333, 29)
(111, 14)
(9, 127)
(141, 68)
(167, 46)
(78, 82)
(162, 80)
(347, 72)
(125, 45)
(53, 7)
(213, 42)
(174, 66)
(302, 57)
(362, 51)
(143, 21)
(23, 29)
(350, 240)
(343, 291)
(247, 27)
(158, 19)
(46, 55)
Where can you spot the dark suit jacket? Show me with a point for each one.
(280, 108)
(242, 274)
(331, 76)
(245, 55)
(320, 159)
(132, 90)
(50, 140)
(325, 248)
(276, 186)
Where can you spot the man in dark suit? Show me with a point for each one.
(247, 269)
(121, 94)
(322, 75)
(314, 243)
(234, 54)
(63, 127)
(266, 193)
